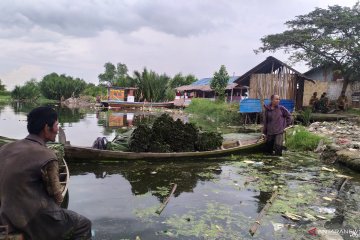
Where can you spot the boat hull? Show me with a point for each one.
(124, 104)
(75, 153)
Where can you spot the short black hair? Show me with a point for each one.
(39, 117)
(273, 96)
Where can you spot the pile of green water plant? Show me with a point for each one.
(167, 135)
(299, 139)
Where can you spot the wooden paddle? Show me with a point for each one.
(62, 136)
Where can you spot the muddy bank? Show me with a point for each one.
(344, 142)
(80, 102)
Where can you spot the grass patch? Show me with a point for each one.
(5, 97)
(299, 139)
(42, 100)
(354, 111)
(211, 115)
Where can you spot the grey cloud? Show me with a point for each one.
(88, 18)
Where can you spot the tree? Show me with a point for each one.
(116, 76)
(2, 87)
(30, 91)
(151, 86)
(180, 80)
(54, 86)
(323, 37)
(219, 82)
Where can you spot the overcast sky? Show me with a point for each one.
(76, 38)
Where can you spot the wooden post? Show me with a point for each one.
(163, 205)
(256, 224)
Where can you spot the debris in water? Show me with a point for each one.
(327, 199)
(321, 217)
(248, 161)
(292, 216)
(328, 169)
(309, 217)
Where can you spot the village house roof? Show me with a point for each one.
(269, 65)
(204, 85)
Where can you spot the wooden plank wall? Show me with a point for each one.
(264, 85)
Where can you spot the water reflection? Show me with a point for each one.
(115, 119)
(145, 177)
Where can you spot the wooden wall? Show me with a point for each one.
(264, 85)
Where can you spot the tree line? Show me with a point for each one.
(151, 85)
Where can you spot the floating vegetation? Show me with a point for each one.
(216, 221)
(162, 191)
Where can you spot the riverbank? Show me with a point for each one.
(344, 142)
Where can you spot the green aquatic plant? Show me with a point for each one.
(215, 221)
(167, 135)
(305, 116)
(299, 139)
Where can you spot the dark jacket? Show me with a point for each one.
(22, 190)
(276, 120)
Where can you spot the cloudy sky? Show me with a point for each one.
(38, 37)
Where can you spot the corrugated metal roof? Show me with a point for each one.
(204, 85)
(206, 81)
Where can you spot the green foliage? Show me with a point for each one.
(354, 111)
(305, 116)
(180, 80)
(213, 114)
(30, 91)
(116, 75)
(92, 90)
(2, 87)
(302, 140)
(323, 37)
(167, 135)
(219, 82)
(152, 87)
(54, 86)
(140, 139)
(208, 141)
(178, 136)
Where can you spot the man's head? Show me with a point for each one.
(342, 93)
(43, 121)
(275, 100)
(315, 94)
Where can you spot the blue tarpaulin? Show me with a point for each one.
(253, 105)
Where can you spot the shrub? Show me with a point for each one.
(212, 114)
(302, 140)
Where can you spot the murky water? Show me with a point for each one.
(217, 199)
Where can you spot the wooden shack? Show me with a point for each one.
(272, 76)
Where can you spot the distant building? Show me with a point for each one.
(201, 89)
(329, 81)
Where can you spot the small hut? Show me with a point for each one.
(272, 76)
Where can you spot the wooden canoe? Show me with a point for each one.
(64, 177)
(91, 154)
(125, 104)
(78, 153)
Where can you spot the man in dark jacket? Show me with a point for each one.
(30, 191)
(276, 119)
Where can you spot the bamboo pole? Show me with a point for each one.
(163, 205)
(256, 224)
